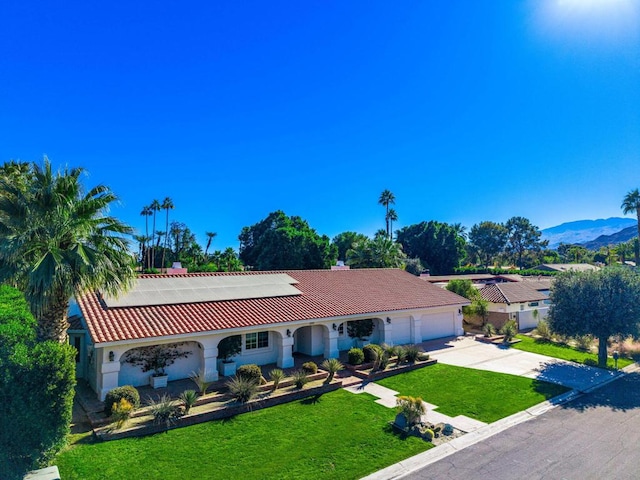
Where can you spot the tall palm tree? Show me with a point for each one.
(155, 208)
(56, 240)
(631, 204)
(387, 198)
(146, 213)
(167, 204)
(392, 216)
(210, 237)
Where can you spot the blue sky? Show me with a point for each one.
(466, 110)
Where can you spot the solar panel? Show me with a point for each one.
(178, 290)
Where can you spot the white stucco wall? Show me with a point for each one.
(527, 320)
(182, 368)
(400, 330)
(309, 340)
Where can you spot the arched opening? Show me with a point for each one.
(132, 374)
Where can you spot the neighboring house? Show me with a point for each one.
(563, 267)
(276, 313)
(517, 301)
(477, 279)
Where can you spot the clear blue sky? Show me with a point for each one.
(466, 110)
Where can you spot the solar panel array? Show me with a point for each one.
(178, 290)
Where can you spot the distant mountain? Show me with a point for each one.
(614, 239)
(583, 231)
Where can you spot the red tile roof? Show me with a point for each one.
(325, 294)
(511, 292)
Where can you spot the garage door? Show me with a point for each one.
(437, 326)
(401, 331)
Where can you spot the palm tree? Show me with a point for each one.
(167, 204)
(392, 216)
(155, 208)
(56, 240)
(381, 252)
(387, 198)
(631, 204)
(146, 213)
(210, 237)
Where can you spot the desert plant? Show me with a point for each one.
(229, 347)
(333, 366)
(199, 380)
(489, 330)
(584, 342)
(360, 329)
(114, 396)
(356, 356)
(188, 399)
(276, 375)
(412, 408)
(156, 358)
(300, 378)
(382, 362)
(401, 354)
(423, 357)
(164, 410)
(412, 352)
(251, 372)
(509, 330)
(372, 352)
(121, 411)
(242, 389)
(310, 367)
(543, 330)
(428, 435)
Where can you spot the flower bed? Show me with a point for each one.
(370, 374)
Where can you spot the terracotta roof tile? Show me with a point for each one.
(325, 294)
(516, 292)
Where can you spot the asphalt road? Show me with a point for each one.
(596, 436)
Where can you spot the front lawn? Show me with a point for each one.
(562, 351)
(338, 435)
(485, 396)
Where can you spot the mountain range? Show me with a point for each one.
(594, 232)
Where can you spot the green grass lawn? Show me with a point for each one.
(564, 352)
(341, 436)
(485, 396)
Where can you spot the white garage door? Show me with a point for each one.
(401, 331)
(437, 326)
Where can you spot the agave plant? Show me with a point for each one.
(188, 399)
(276, 375)
(242, 389)
(164, 410)
(300, 378)
(333, 366)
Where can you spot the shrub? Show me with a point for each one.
(543, 330)
(199, 380)
(590, 362)
(114, 396)
(584, 342)
(401, 355)
(423, 357)
(360, 329)
(382, 362)
(372, 352)
(229, 347)
(356, 356)
(242, 389)
(276, 375)
(411, 407)
(164, 410)
(333, 366)
(489, 330)
(250, 372)
(413, 353)
(121, 411)
(509, 330)
(428, 435)
(188, 399)
(300, 378)
(310, 367)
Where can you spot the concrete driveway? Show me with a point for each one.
(467, 352)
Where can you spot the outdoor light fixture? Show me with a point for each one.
(459, 311)
(388, 320)
(112, 356)
(288, 332)
(335, 327)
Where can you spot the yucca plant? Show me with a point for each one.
(509, 330)
(164, 410)
(188, 399)
(489, 330)
(276, 375)
(201, 383)
(242, 389)
(543, 330)
(412, 408)
(300, 378)
(401, 355)
(412, 353)
(333, 366)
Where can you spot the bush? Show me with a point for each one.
(489, 330)
(242, 389)
(543, 330)
(401, 355)
(413, 353)
(411, 408)
(164, 410)
(382, 362)
(188, 399)
(423, 357)
(509, 330)
(584, 342)
(300, 378)
(428, 435)
(590, 362)
(356, 356)
(251, 372)
(199, 380)
(360, 329)
(372, 352)
(121, 411)
(114, 396)
(310, 367)
(333, 366)
(276, 375)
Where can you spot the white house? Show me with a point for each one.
(519, 299)
(276, 313)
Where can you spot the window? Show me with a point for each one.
(341, 329)
(256, 340)
(533, 304)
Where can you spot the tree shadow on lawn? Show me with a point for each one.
(622, 394)
(313, 400)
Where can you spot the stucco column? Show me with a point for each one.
(457, 322)
(109, 372)
(285, 351)
(330, 338)
(209, 364)
(387, 332)
(416, 330)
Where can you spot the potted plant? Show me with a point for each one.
(360, 330)
(156, 359)
(227, 348)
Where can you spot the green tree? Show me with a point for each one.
(282, 242)
(344, 241)
(56, 240)
(167, 204)
(392, 216)
(489, 239)
(624, 251)
(436, 244)
(631, 204)
(464, 288)
(210, 237)
(387, 198)
(381, 252)
(523, 237)
(602, 303)
(146, 213)
(155, 208)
